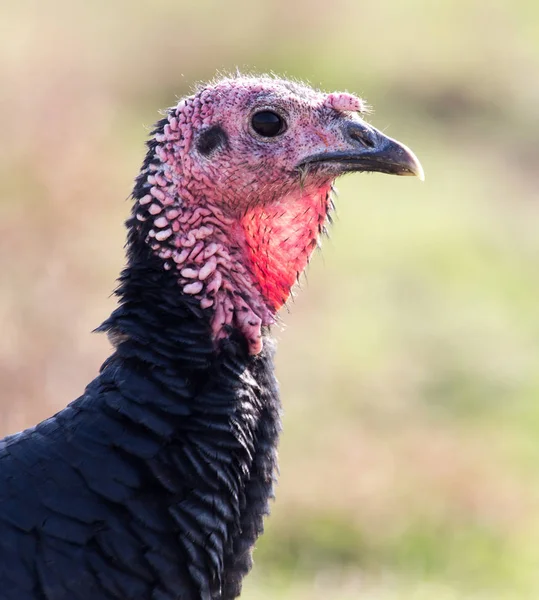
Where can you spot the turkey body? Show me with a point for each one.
(154, 483)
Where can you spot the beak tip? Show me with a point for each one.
(413, 166)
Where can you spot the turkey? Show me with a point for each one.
(155, 482)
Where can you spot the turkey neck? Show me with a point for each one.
(215, 414)
(165, 331)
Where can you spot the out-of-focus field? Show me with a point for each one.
(409, 364)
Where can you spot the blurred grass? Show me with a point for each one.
(409, 364)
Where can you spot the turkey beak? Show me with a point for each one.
(369, 150)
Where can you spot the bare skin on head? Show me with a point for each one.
(239, 189)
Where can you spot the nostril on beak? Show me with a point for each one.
(361, 133)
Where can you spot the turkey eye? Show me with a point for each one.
(267, 123)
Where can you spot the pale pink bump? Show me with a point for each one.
(168, 200)
(161, 222)
(157, 193)
(223, 253)
(189, 273)
(184, 217)
(161, 181)
(180, 257)
(196, 250)
(141, 217)
(211, 249)
(163, 234)
(193, 288)
(206, 270)
(154, 209)
(203, 232)
(196, 215)
(146, 199)
(215, 282)
(206, 302)
(189, 241)
(172, 213)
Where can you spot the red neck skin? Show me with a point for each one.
(281, 238)
(241, 269)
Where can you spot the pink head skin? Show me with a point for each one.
(236, 213)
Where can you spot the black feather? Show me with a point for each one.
(154, 483)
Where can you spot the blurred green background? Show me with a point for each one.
(408, 364)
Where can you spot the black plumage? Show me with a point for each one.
(152, 484)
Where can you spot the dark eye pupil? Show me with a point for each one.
(267, 123)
